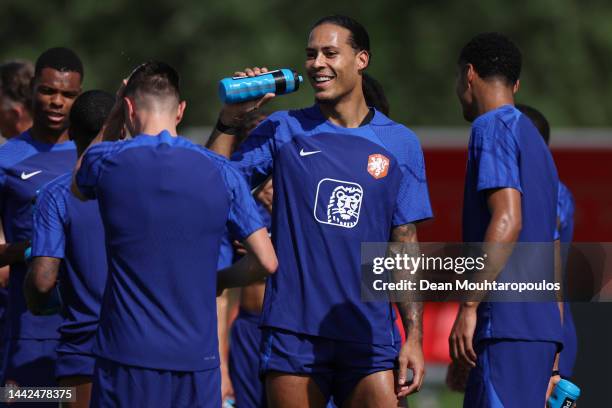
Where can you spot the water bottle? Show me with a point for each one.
(564, 395)
(228, 403)
(240, 89)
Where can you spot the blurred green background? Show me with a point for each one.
(566, 46)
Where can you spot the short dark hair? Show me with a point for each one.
(61, 59)
(15, 81)
(88, 114)
(375, 94)
(538, 119)
(359, 38)
(493, 55)
(154, 78)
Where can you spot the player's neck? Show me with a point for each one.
(493, 98)
(348, 112)
(23, 125)
(156, 127)
(48, 136)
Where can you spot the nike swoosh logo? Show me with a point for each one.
(304, 154)
(25, 176)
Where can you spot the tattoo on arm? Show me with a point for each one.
(404, 241)
(39, 281)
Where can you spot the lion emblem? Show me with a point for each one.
(344, 205)
(378, 165)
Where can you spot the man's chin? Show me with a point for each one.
(55, 127)
(325, 98)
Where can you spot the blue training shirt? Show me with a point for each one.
(71, 230)
(165, 203)
(25, 166)
(334, 188)
(506, 151)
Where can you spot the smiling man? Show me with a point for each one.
(27, 162)
(344, 174)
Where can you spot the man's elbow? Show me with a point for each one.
(43, 286)
(270, 265)
(510, 225)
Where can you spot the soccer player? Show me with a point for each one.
(27, 162)
(15, 118)
(68, 243)
(15, 97)
(510, 196)
(343, 174)
(165, 203)
(565, 214)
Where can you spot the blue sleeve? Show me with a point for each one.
(254, 158)
(91, 168)
(243, 217)
(496, 157)
(48, 218)
(413, 198)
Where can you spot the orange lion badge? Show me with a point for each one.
(378, 165)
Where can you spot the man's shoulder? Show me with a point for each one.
(397, 138)
(57, 188)
(16, 150)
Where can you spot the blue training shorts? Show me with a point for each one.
(335, 366)
(510, 373)
(119, 385)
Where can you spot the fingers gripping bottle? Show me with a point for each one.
(564, 395)
(241, 89)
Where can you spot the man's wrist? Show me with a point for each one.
(226, 128)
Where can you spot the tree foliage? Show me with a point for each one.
(566, 45)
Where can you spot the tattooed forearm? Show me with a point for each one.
(404, 242)
(39, 282)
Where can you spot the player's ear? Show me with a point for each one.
(470, 74)
(180, 111)
(517, 86)
(130, 109)
(129, 112)
(363, 60)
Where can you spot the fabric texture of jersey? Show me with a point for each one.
(165, 203)
(70, 229)
(334, 188)
(506, 151)
(25, 166)
(510, 374)
(565, 209)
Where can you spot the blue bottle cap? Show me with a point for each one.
(569, 387)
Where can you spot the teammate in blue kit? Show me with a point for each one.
(165, 203)
(15, 118)
(343, 174)
(565, 214)
(510, 196)
(27, 162)
(68, 244)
